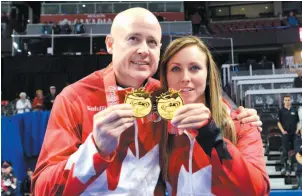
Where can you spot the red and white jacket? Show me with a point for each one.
(210, 165)
(69, 163)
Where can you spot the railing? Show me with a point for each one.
(269, 98)
(86, 43)
(182, 27)
(108, 7)
(5, 7)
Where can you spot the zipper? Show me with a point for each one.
(136, 139)
(190, 164)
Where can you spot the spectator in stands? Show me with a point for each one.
(4, 18)
(299, 168)
(78, 27)
(45, 29)
(65, 27)
(298, 80)
(26, 184)
(23, 104)
(159, 17)
(50, 98)
(288, 123)
(196, 19)
(56, 28)
(187, 65)
(8, 180)
(38, 101)
(91, 134)
(292, 20)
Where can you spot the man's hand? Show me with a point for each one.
(246, 115)
(284, 132)
(109, 124)
(191, 116)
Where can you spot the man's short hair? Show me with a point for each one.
(52, 87)
(287, 96)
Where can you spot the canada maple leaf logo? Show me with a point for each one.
(137, 177)
(197, 183)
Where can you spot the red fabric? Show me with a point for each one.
(244, 174)
(36, 102)
(70, 123)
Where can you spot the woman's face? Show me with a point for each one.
(39, 94)
(187, 72)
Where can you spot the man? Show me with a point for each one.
(298, 80)
(93, 144)
(8, 180)
(50, 98)
(288, 123)
(25, 186)
(299, 168)
(196, 19)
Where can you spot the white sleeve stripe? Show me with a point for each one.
(83, 161)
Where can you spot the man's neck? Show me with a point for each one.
(130, 83)
(287, 107)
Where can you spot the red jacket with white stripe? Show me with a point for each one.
(69, 163)
(211, 165)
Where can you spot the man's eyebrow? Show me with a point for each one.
(135, 34)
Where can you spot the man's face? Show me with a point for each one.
(287, 101)
(135, 50)
(52, 91)
(29, 173)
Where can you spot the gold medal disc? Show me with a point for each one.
(168, 103)
(140, 100)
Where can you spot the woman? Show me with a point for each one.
(214, 154)
(38, 101)
(23, 105)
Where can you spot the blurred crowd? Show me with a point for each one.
(23, 103)
(9, 182)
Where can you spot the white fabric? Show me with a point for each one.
(23, 106)
(137, 177)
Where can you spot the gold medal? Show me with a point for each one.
(168, 103)
(140, 100)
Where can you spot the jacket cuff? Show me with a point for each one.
(209, 137)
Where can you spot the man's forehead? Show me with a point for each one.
(144, 34)
(144, 30)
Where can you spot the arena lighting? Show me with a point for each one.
(84, 5)
(15, 45)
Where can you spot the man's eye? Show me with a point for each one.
(132, 39)
(153, 42)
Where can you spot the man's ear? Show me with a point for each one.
(109, 43)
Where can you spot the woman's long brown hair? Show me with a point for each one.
(213, 98)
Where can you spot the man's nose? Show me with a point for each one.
(143, 49)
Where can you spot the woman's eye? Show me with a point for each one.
(174, 69)
(195, 68)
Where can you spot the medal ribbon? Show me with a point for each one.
(110, 87)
